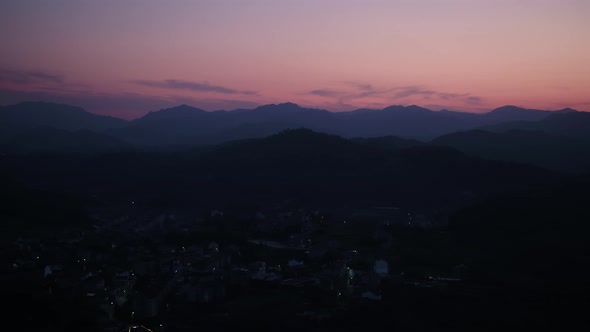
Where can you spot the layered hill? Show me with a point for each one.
(545, 149)
(300, 165)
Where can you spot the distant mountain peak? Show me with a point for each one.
(411, 108)
(395, 108)
(289, 104)
(43, 106)
(31, 114)
(512, 108)
(182, 110)
(567, 110)
(506, 108)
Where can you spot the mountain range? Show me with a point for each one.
(546, 149)
(571, 124)
(557, 140)
(295, 164)
(20, 118)
(187, 125)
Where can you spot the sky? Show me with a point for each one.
(126, 58)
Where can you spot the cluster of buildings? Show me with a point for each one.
(158, 270)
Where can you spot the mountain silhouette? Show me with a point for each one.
(44, 140)
(172, 126)
(513, 113)
(566, 123)
(298, 164)
(16, 119)
(186, 125)
(316, 166)
(298, 150)
(540, 148)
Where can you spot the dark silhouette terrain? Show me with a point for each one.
(185, 125)
(568, 123)
(546, 149)
(294, 164)
(480, 229)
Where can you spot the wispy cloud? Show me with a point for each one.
(24, 77)
(326, 93)
(193, 86)
(344, 96)
(364, 90)
(408, 91)
(428, 94)
(361, 85)
(450, 96)
(473, 100)
(364, 93)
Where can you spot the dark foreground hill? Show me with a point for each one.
(49, 140)
(545, 149)
(539, 236)
(517, 245)
(26, 210)
(570, 124)
(26, 116)
(300, 165)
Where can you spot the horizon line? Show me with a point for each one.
(292, 103)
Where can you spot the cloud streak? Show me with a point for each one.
(358, 90)
(473, 100)
(326, 93)
(404, 92)
(27, 77)
(410, 91)
(192, 86)
(361, 86)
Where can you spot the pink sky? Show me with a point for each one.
(126, 58)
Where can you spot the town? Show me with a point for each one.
(163, 271)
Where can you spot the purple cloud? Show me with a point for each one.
(24, 77)
(193, 86)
